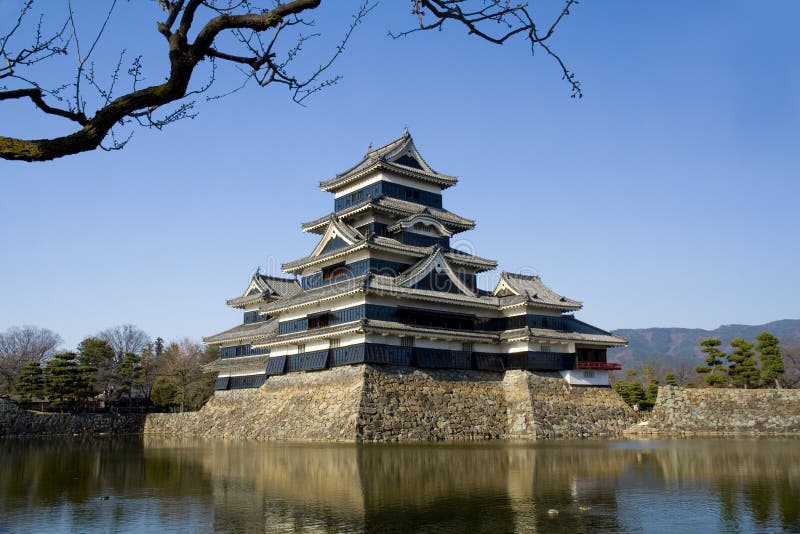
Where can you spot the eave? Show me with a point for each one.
(338, 182)
(449, 220)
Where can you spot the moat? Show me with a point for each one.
(153, 484)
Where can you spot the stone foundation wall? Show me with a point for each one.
(384, 403)
(321, 406)
(682, 411)
(408, 404)
(15, 421)
(556, 410)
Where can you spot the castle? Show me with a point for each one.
(384, 286)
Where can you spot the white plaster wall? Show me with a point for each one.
(388, 177)
(320, 344)
(244, 373)
(352, 340)
(552, 346)
(517, 346)
(586, 377)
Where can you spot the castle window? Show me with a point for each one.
(467, 346)
(319, 320)
(334, 343)
(301, 348)
(334, 272)
(406, 341)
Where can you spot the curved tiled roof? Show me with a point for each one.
(265, 288)
(527, 333)
(534, 291)
(391, 157)
(425, 265)
(397, 207)
(376, 242)
(244, 332)
(238, 364)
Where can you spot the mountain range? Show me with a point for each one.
(673, 345)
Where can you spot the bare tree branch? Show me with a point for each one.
(511, 20)
(242, 33)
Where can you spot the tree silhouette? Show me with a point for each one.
(260, 39)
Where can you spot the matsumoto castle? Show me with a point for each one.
(384, 286)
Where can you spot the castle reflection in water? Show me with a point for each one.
(697, 485)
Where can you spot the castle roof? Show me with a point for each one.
(264, 287)
(399, 156)
(529, 288)
(527, 334)
(396, 207)
(245, 332)
(387, 244)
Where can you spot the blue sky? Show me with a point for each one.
(667, 196)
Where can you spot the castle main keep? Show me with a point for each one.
(384, 286)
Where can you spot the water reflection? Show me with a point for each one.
(177, 486)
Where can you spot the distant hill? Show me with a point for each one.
(672, 345)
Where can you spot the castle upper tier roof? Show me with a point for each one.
(245, 332)
(394, 286)
(400, 156)
(529, 288)
(387, 244)
(263, 287)
(394, 207)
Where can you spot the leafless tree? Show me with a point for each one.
(791, 363)
(125, 338)
(260, 38)
(20, 345)
(182, 363)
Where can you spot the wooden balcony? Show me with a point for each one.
(600, 366)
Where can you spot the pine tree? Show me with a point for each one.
(164, 393)
(622, 390)
(159, 346)
(99, 354)
(636, 394)
(742, 366)
(30, 382)
(651, 394)
(771, 359)
(714, 360)
(129, 374)
(670, 379)
(65, 380)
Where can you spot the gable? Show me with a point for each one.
(337, 236)
(409, 161)
(434, 273)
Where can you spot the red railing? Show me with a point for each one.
(602, 366)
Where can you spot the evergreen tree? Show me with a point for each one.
(130, 374)
(30, 382)
(636, 394)
(99, 354)
(771, 359)
(742, 366)
(651, 394)
(65, 380)
(670, 379)
(714, 360)
(159, 346)
(164, 393)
